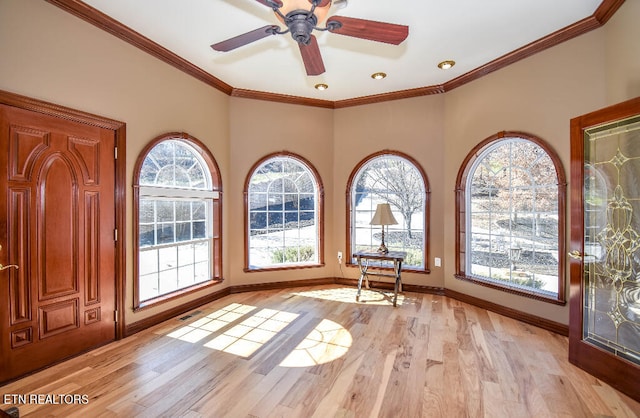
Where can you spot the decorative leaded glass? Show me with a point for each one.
(612, 238)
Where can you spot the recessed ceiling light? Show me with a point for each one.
(378, 76)
(321, 86)
(445, 65)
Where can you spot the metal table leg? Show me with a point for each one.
(363, 275)
(397, 267)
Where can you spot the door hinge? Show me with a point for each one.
(115, 234)
(115, 153)
(115, 316)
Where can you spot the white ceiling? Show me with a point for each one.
(471, 32)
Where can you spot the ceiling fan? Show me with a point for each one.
(301, 22)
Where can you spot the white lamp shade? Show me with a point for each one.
(383, 215)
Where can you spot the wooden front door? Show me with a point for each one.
(57, 222)
(604, 326)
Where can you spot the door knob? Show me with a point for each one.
(9, 266)
(575, 254)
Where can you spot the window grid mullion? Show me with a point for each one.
(529, 191)
(281, 174)
(160, 183)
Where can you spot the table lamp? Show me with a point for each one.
(383, 216)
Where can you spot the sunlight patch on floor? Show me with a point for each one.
(211, 323)
(326, 342)
(348, 295)
(241, 331)
(252, 333)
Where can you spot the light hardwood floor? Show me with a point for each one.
(314, 352)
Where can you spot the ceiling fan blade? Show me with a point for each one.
(244, 39)
(370, 29)
(321, 3)
(271, 3)
(311, 57)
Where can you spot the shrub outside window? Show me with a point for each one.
(178, 211)
(283, 206)
(511, 217)
(394, 178)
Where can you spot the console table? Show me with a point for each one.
(365, 257)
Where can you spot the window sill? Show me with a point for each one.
(512, 290)
(279, 268)
(147, 304)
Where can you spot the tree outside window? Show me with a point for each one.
(395, 179)
(513, 204)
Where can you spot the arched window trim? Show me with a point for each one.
(320, 214)
(216, 224)
(349, 209)
(461, 219)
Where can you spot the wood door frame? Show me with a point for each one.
(119, 130)
(617, 372)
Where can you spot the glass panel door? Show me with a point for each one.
(604, 256)
(612, 238)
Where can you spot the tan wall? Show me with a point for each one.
(260, 128)
(412, 126)
(623, 53)
(538, 95)
(50, 55)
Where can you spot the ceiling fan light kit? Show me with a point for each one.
(320, 9)
(301, 20)
(340, 4)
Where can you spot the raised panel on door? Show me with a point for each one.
(57, 227)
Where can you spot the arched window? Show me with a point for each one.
(283, 206)
(177, 213)
(510, 217)
(394, 178)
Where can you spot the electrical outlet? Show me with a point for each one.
(339, 257)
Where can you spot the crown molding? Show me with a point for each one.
(89, 14)
(607, 9)
(385, 97)
(281, 98)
